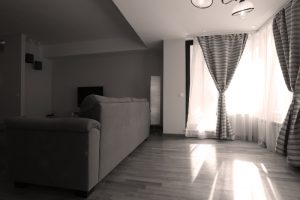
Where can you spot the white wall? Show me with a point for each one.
(12, 73)
(38, 83)
(122, 74)
(174, 86)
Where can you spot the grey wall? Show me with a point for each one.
(38, 83)
(122, 74)
(24, 91)
(12, 72)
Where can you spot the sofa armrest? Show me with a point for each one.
(83, 125)
(54, 152)
(124, 126)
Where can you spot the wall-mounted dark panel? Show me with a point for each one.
(29, 58)
(38, 65)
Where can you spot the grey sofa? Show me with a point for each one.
(77, 153)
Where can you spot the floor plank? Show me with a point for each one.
(171, 168)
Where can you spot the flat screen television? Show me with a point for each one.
(82, 92)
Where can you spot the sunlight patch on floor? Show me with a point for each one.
(247, 183)
(213, 188)
(264, 168)
(201, 153)
(274, 193)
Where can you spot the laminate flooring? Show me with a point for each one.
(176, 168)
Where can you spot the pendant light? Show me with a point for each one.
(202, 3)
(243, 7)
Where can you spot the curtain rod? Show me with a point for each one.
(191, 37)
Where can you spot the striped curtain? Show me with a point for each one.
(286, 29)
(222, 54)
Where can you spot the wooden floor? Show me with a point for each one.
(172, 168)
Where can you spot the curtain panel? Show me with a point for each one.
(256, 109)
(222, 54)
(286, 29)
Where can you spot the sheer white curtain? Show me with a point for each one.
(203, 100)
(257, 98)
(263, 99)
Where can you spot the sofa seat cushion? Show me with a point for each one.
(52, 124)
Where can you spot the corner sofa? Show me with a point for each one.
(77, 153)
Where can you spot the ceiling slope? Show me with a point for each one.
(64, 21)
(156, 20)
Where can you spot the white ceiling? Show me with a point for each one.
(155, 20)
(65, 21)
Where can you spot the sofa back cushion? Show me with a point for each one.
(103, 99)
(90, 106)
(139, 100)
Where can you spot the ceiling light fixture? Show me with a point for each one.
(242, 8)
